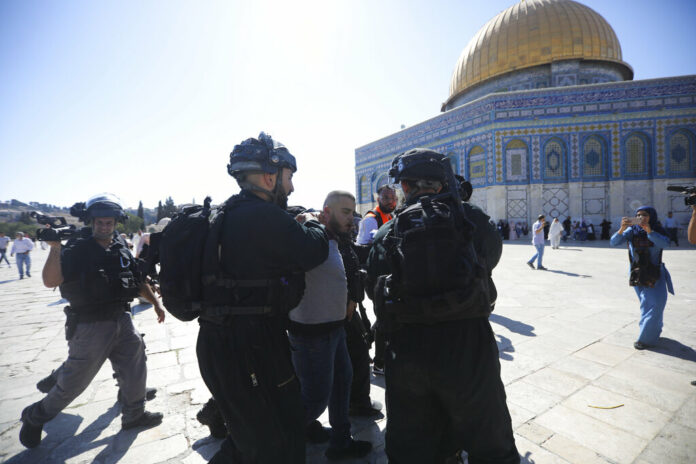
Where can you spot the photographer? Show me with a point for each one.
(648, 275)
(98, 276)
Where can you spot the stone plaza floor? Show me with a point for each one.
(578, 391)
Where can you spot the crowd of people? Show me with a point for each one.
(283, 332)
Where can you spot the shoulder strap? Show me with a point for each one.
(377, 217)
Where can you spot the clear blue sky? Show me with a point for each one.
(146, 99)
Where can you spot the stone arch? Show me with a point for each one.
(680, 152)
(594, 157)
(636, 148)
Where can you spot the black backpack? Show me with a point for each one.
(181, 260)
(436, 275)
(191, 277)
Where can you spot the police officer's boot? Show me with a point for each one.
(210, 416)
(29, 434)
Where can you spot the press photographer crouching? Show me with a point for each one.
(99, 277)
(648, 275)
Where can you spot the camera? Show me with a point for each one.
(57, 228)
(690, 200)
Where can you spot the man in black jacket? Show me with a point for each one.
(242, 348)
(443, 387)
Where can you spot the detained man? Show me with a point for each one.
(318, 338)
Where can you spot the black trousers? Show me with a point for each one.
(673, 236)
(444, 395)
(359, 354)
(248, 370)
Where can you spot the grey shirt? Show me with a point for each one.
(326, 295)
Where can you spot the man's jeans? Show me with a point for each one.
(323, 367)
(23, 261)
(538, 255)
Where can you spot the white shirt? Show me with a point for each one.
(670, 223)
(555, 229)
(366, 231)
(3, 242)
(22, 245)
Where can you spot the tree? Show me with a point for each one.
(159, 211)
(131, 226)
(170, 208)
(141, 212)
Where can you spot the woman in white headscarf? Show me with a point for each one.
(555, 233)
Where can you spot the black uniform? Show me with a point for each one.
(443, 386)
(245, 360)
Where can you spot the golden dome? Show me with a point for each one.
(532, 33)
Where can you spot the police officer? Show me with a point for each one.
(243, 350)
(98, 276)
(443, 388)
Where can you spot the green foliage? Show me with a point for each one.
(11, 228)
(169, 209)
(141, 212)
(132, 225)
(159, 211)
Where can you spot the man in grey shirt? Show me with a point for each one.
(318, 338)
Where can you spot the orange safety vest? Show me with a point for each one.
(381, 219)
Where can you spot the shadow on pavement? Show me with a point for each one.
(6, 281)
(569, 274)
(674, 348)
(62, 428)
(513, 325)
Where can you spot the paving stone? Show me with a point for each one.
(532, 453)
(572, 451)
(607, 440)
(580, 367)
(675, 441)
(156, 451)
(604, 353)
(531, 397)
(534, 432)
(555, 381)
(634, 416)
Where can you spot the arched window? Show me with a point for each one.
(554, 159)
(477, 163)
(593, 157)
(636, 148)
(364, 190)
(381, 180)
(680, 151)
(516, 160)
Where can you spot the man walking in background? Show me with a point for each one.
(22, 246)
(538, 242)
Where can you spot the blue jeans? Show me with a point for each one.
(323, 366)
(3, 255)
(538, 255)
(23, 261)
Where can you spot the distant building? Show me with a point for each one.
(543, 117)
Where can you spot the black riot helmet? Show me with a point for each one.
(260, 155)
(104, 205)
(418, 164)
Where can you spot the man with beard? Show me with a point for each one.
(318, 337)
(99, 277)
(242, 349)
(374, 219)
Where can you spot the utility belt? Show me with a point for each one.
(88, 314)
(433, 309)
(225, 297)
